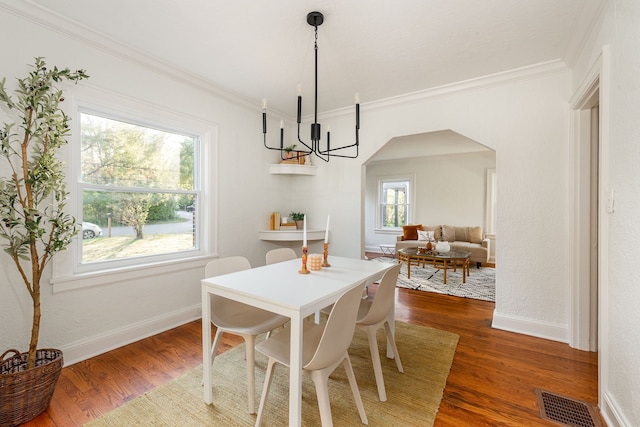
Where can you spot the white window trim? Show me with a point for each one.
(412, 191)
(66, 271)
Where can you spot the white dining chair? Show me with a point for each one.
(372, 315)
(324, 348)
(239, 319)
(280, 255)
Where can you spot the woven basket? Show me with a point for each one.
(25, 394)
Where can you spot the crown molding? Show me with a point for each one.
(492, 80)
(47, 18)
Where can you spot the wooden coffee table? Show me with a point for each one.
(452, 259)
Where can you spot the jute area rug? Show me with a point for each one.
(480, 283)
(412, 397)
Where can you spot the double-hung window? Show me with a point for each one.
(394, 203)
(138, 192)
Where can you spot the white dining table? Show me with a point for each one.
(279, 288)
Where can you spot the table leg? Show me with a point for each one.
(295, 372)
(409, 268)
(206, 346)
(464, 273)
(445, 271)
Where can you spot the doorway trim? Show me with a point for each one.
(592, 92)
(595, 83)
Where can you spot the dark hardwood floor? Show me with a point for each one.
(491, 382)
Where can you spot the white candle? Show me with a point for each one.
(304, 232)
(326, 233)
(281, 124)
(264, 103)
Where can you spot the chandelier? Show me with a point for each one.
(314, 19)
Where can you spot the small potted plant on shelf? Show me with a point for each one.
(298, 217)
(33, 224)
(291, 156)
(289, 151)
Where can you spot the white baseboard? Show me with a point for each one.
(531, 327)
(90, 347)
(372, 249)
(611, 412)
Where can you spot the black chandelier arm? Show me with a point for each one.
(345, 156)
(314, 19)
(330, 151)
(311, 148)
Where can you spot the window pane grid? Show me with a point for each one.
(138, 190)
(394, 204)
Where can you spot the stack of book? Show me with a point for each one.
(290, 161)
(274, 221)
(275, 224)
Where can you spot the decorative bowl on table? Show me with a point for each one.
(442, 247)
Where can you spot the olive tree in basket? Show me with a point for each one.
(33, 223)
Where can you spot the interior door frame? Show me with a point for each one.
(587, 290)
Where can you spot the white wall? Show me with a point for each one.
(613, 48)
(92, 320)
(449, 189)
(525, 121)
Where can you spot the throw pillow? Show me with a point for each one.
(410, 232)
(462, 234)
(475, 234)
(425, 235)
(448, 233)
(437, 231)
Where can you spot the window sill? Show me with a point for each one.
(107, 277)
(394, 231)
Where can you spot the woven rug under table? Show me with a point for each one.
(412, 397)
(480, 283)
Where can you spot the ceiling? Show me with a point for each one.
(379, 48)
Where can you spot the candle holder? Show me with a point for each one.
(325, 253)
(304, 270)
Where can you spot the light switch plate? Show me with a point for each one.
(610, 200)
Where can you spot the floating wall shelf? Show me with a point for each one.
(291, 169)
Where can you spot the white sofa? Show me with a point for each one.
(470, 239)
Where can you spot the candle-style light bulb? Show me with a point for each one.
(281, 124)
(357, 98)
(299, 89)
(264, 104)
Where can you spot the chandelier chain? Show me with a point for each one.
(315, 19)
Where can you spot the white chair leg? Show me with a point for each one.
(392, 339)
(354, 389)
(214, 349)
(268, 376)
(216, 343)
(250, 348)
(375, 361)
(321, 381)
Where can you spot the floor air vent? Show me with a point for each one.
(566, 411)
